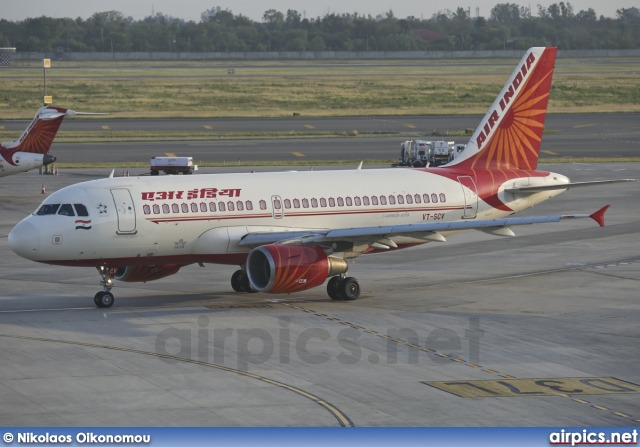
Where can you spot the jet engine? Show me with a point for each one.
(144, 273)
(291, 268)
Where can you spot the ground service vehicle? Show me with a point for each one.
(172, 165)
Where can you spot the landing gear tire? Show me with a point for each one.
(236, 281)
(349, 289)
(333, 288)
(240, 282)
(154, 172)
(246, 284)
(104, 299)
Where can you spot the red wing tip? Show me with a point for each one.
(598, 216)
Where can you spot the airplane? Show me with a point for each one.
(291, 231)
(31, 150)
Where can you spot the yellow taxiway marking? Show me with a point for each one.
(298, 154)
(583, 125)
(207, 126)
(309, 126)
(105, 127)
(550, 152)
(409, 125)
(170, 154)
(555, 386)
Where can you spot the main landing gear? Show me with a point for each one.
(240, 282)
(343, 288)
(105, 298)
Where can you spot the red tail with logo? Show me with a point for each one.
(509, 135)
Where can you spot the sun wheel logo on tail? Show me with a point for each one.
(511, 133)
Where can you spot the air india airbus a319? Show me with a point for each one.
(290, 231)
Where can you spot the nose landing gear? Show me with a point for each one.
(105, 298)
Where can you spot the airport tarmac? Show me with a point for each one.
(537, 330)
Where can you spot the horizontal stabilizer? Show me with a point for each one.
(534, 189)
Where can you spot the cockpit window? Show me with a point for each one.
(81, 210)
(45, 210)
(66, 210)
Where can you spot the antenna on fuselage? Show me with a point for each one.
(360, 166)
(112, 171)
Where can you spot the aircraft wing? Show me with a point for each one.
(534, 189)
(427, 231)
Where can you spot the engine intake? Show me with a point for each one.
(291, 268)
(144, 273)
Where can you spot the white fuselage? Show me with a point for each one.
(186, 219)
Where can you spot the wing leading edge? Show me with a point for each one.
(426, 231)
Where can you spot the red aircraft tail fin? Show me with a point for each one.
(39, 135)
(509, 135)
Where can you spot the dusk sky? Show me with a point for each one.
(191, 9)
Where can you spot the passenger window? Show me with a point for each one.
(314, 203)
(417, 198)
(185, 208)
(434, 198)
(296, 203)
(365, 201)
(249, 205)
(165, 208)
(332, 202)
(240, 205)
(340, 201)
(146, 209)
(287, 203)
(81, 210)
(357, 201)
(156, 209)
(374, 200)
(383, 200)
(230, 206)
(425, 198)
(263, 205)
(221, 206)
(443, 198)
(212, 207)
(348, 201)
(66, 210)
(409, 199)
(392, 200)
(323, 202)
(305, 203)
(400, 199)
(203, 207)
(175, 208)
(194, 207)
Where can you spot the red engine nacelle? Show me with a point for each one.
(144, 273)
(291, 268)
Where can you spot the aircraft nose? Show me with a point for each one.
(24, 240)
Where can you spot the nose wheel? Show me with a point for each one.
(105, 298)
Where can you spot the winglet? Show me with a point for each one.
(598, 216)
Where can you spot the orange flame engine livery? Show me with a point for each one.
(291, 268)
